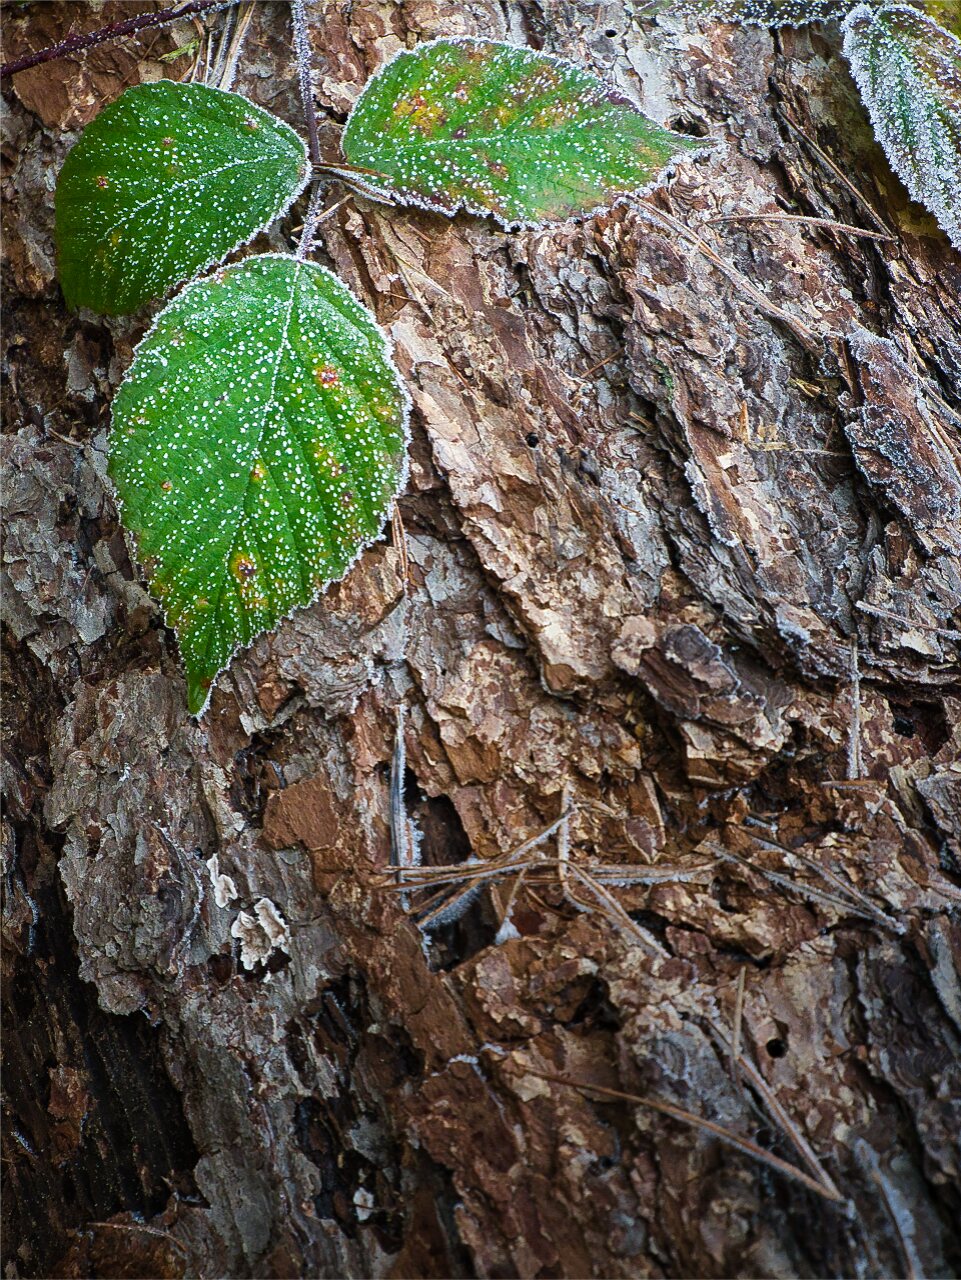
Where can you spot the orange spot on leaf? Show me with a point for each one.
(326, 375)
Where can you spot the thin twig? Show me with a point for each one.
(143, 1229)
(828, 223)
(744, 1145)
(234, 49)
(401, 845)
(113, 31)
(615, 912)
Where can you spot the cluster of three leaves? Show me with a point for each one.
(260, 434)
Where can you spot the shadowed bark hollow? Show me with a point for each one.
(682, 557)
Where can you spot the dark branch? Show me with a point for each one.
(125, 27)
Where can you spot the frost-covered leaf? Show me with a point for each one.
(909, 72)
(764, 13)
(494, 128)
(165, 182)
(258, 441)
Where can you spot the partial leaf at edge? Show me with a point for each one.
(763, 13)
(258, 441)
(909, 72)
(163, 183)
(500, 129)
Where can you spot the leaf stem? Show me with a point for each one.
(113, 31)
(302, 51)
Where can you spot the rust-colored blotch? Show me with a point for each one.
(242, 567)
(326, 375)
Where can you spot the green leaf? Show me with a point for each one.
(164, 183)
(909, 72)
(494, 128)
(258, 442)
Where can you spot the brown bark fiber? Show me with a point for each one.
(682, 535)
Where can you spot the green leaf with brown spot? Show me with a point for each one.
(495, 128)
(165, 182)
(258, 441)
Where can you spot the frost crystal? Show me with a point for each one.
(909, 72)
(165, 182)
(258, 441)
(495, 128)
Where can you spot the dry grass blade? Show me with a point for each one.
(612, 910)
(774, 1109)
(848, 890)
(805, 336)
(906, 623)
(793, 886)
(738, 1019)
(830, 165)
(827, 223)
(734, 1140)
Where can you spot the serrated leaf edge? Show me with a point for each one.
(683, 10)
(878, 120)
(388, 196)
(407, 404)
(184, 281)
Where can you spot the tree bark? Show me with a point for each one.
(681, 557)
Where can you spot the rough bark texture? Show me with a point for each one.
(683, 551)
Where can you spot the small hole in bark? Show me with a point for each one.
(610, 33)
(776, 1047)
(532, 439)
(689, 125)
(221, 968)
(923, 720)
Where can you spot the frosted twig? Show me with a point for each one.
(113, 31)
(614, 912)
(848, 890)
(795, 886)
(829, 164)
(855, 763)
(303, 54)
(310, 222)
